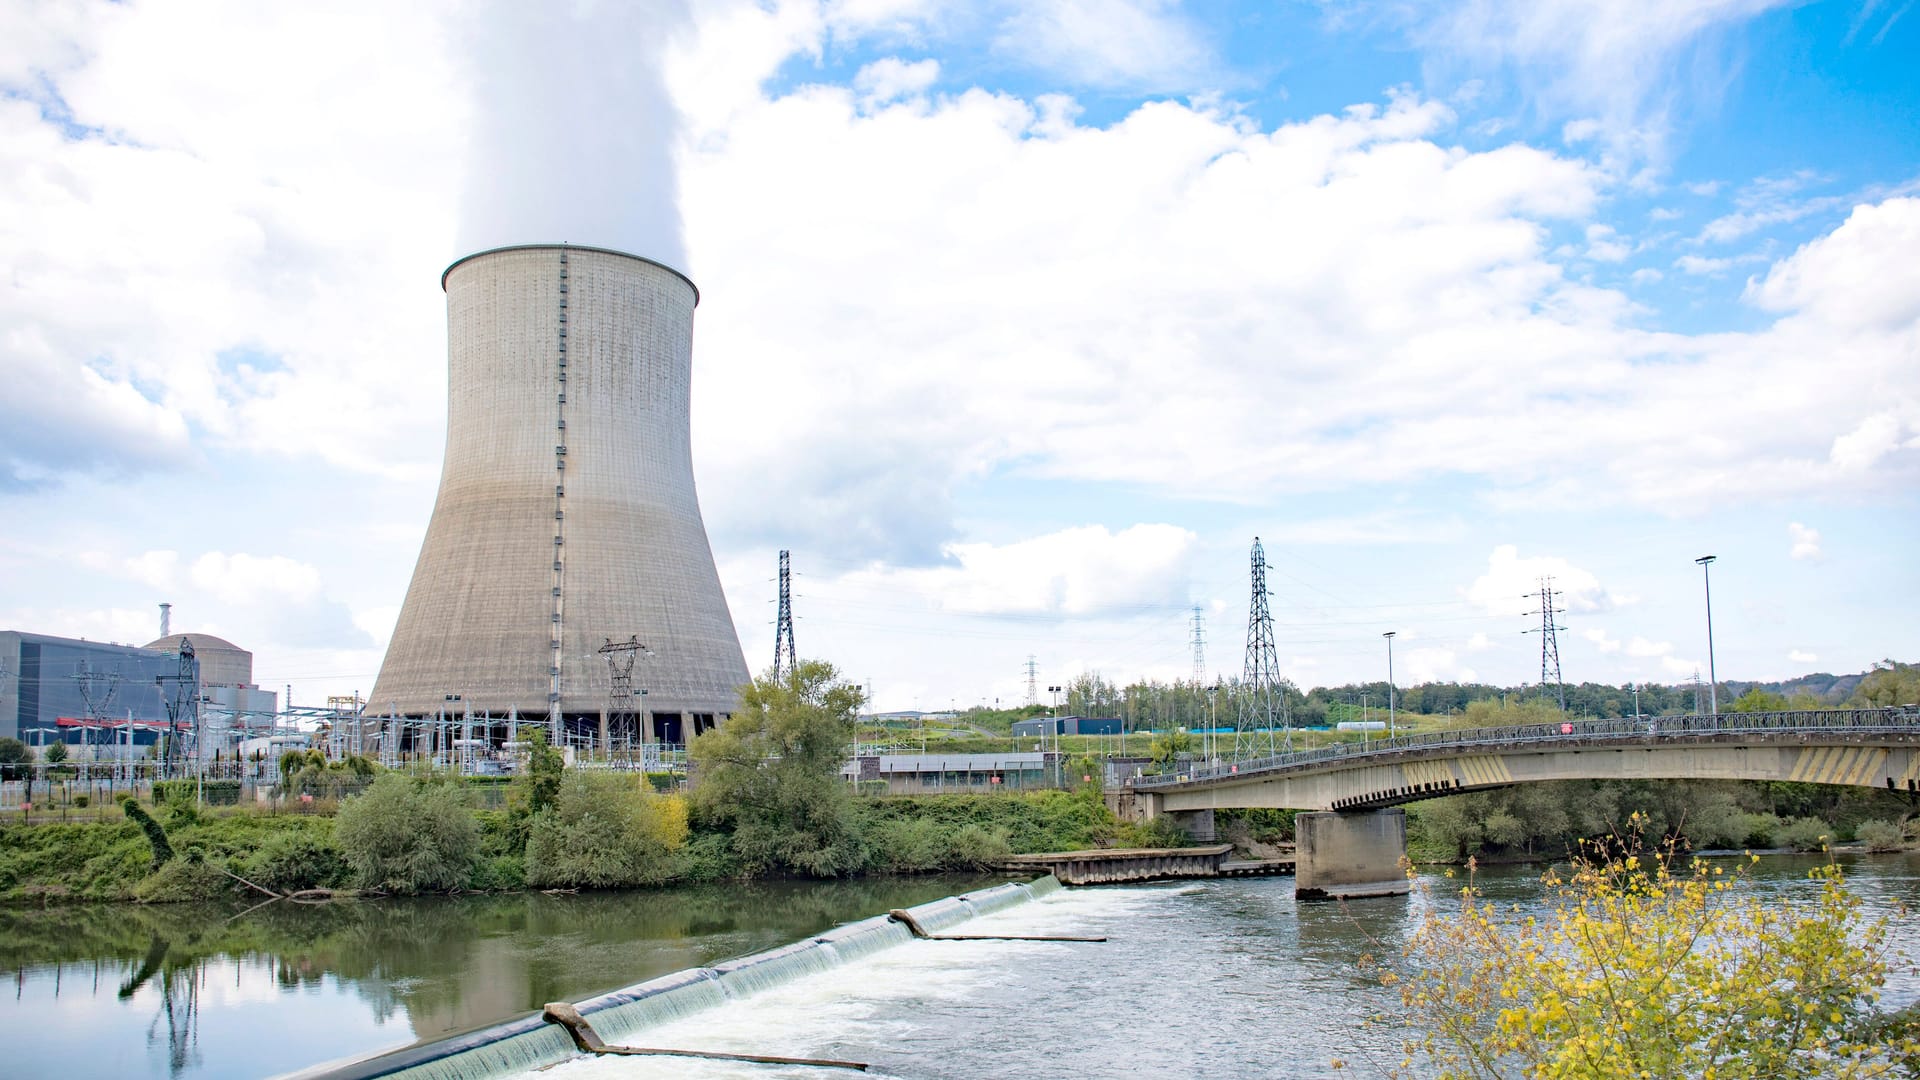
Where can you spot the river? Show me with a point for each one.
(1221, 978)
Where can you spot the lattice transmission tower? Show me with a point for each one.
(783, 627)
(1033, 681)
(623, 715)
(181, 694)
(1259, 682)
(1199, 643)
(1549, 642)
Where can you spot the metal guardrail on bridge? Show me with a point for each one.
(1904, 718)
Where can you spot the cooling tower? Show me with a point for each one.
(566, 514)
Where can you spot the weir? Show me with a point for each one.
(519, 1046)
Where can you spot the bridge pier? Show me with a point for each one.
(1350, 854)
(1198, 824)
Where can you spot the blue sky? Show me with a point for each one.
(1019, 321)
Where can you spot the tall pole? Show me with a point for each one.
(1713, 677)
(1389, 636)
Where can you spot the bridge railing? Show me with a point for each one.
(1902, 718)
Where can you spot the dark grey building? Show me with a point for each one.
(46, 682)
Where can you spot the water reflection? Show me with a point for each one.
(149, 985)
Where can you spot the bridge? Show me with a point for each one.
(1352, 838)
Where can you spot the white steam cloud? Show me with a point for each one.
(545, 164)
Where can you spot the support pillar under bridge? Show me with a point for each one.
(1346, 854)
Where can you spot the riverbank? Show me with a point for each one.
(113, 861)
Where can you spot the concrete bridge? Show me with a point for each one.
(1353, 838)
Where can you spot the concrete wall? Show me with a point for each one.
(616, 512)
(1349, 855)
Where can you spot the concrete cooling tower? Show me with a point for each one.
(566, 514)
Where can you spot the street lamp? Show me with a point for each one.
(1713, 678)
(1389, 636)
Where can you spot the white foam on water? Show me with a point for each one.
(873, 1002)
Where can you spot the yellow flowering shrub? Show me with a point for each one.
(1644, 968)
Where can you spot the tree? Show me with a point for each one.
(408, 836)
(1643, 970)
(1758, 700)
(1889, 683)
(13, 754)
(56, 753)
(545, 767)
(770, 774)
(1166, 749)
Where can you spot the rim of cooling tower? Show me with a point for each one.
(570, 247)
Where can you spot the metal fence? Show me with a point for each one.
(1640, 729)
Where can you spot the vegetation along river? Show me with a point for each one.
(1222, 978)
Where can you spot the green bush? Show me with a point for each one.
(973, 847)
(605, 831)
(1803, 834)
(181, 880)
(708, 857)
(221, 792)
(289, 862)
(81, 802)
(907, 846)
(499, 873)
(408, 836)
(1880, 835)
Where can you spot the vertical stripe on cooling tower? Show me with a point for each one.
(559, 511)
(1837, 765)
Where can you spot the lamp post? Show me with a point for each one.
(1713, 678)
(1053, 722)
(1389, 636)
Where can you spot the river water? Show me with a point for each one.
(1224, 978)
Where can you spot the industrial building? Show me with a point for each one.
(932, 774)
(565, 576)
(108, 700)
(1068, 725)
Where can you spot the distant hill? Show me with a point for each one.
(1827, 689)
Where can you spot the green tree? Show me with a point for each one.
(1644, 970)
(1758, 700)
(56, 753)
(1167, 748)
(770, 774)
(13, 754)
(409, 836)
(1889, 683)
(540, 784)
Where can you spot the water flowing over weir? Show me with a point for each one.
(518, 1046)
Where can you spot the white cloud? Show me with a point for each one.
(1805, 541)
(1682, 667)
(1601, 641)
(1511, 585)
(1801, 656)
(1700, 265)
(1074, 572)
(1604, 244)
(1611, 66)
(1135, 43)
(1641, 647)
(1861, 275)
(1647, 275)
(1430, 664)
(891, 78)
(251, 579)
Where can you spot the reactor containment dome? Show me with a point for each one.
(566, 515)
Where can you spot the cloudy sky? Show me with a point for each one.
(1019, 321)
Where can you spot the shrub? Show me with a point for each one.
(81, 802)
(290, 862)
(181, 880)
(907, 846)
(605, 831)
(1803, 834)
(973, 847)
(221, 792)
(408, 836)
(708, 857)
(1880, 836)
(499, 873)
(1653, 970)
